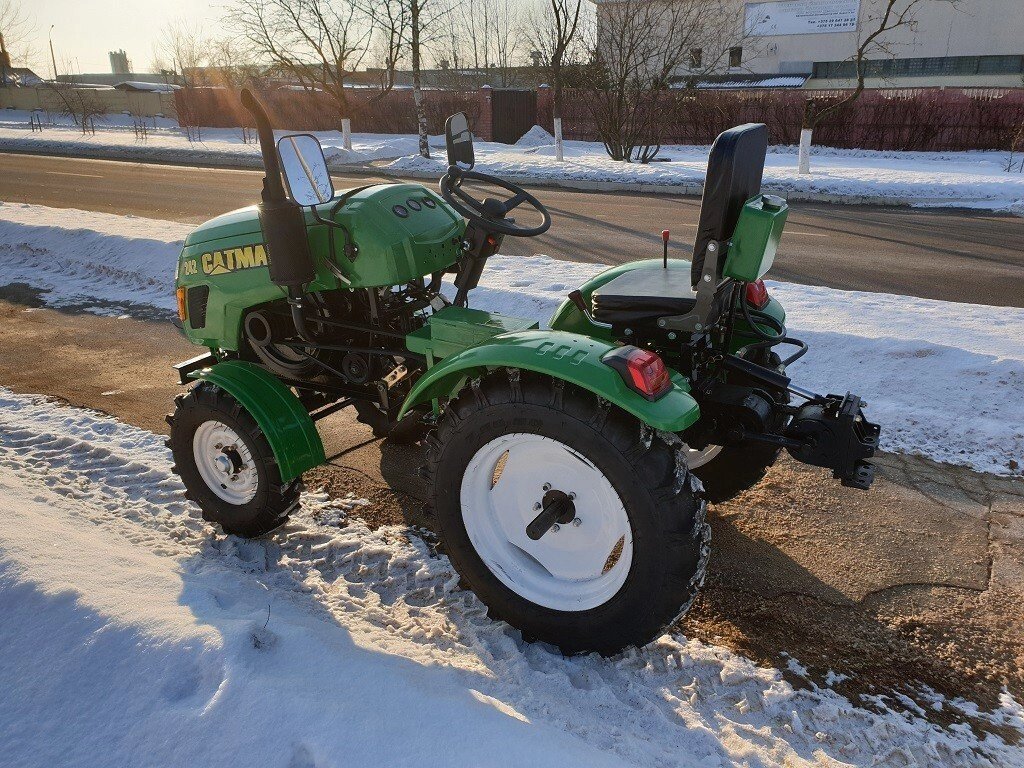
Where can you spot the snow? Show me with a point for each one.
(105, 264)
(940, 179)
(141, 636)
(945, 380)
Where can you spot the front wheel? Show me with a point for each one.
(227, 465)
(627, 551)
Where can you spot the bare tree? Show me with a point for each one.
(484, 42)
(883, 17)
(183, 43)
(553, 32)
(425, 28)
(16, 30)
(231, 65)
(390, 42)
(418, 21)
(82, 105)
(318, 43)
(639, 48)
(505, 33)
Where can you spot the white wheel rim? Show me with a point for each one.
(695, 458)
(579, 566)
(225, 462)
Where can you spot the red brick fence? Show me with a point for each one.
(908, 119)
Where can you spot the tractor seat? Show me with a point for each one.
(643, 295)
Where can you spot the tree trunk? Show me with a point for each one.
(417, 91)
(804, 161)
(806, 134)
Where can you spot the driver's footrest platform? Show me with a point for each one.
(454, 329)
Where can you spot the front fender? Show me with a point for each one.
(567, 356)
(285, 422)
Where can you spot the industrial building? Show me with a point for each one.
(813, 44)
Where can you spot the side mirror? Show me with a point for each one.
(305, 169)
(459, 140)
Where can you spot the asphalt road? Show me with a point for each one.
(954, 255)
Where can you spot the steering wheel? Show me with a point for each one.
(490, 213)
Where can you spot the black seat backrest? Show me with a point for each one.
(734, 175)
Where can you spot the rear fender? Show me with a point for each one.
(282, 418)
(566, 356)
(568, 316)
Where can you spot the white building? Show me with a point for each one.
(813, 43)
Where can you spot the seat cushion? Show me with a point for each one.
(643, 295)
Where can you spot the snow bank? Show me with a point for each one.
(971, 179)
(139, 636)
(945, 380)
(535, 137)
(93, 261)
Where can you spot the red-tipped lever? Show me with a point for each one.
(664, 239)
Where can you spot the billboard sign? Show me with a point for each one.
(801, 17)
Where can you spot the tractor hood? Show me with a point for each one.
(240, 223)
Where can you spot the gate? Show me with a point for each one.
(513, 113)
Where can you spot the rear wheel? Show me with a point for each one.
(628, 550)
(728, 470)
(227, 465)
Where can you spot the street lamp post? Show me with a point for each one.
(53, 59)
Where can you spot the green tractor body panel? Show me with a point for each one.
(567, 356)
(402, 231)
(288, 428)
(454, 329)
(755, 241)
(569, 318)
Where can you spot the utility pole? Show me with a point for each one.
(53, 58)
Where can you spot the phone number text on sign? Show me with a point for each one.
(801, 17)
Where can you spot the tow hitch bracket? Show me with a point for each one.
(834, 433)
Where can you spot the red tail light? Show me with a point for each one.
(642, 370)
(757, 294)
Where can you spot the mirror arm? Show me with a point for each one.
(351, 249)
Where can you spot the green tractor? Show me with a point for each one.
(569, 468)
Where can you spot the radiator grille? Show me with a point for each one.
(197, 298)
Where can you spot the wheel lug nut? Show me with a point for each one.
(537, 507)
(577, 522)
(555, 527)
(572, 496)
(547, 486)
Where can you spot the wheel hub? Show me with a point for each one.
(526, 531)
(225, 463)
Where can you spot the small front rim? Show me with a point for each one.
(225, 463)
(578, 565)
(695, 458)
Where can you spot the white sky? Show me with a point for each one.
(85, 30)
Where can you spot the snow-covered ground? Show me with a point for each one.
(945, 380)
(135, 634)
(970, 179)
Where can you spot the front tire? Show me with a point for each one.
(227, 465)
(628, 558)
